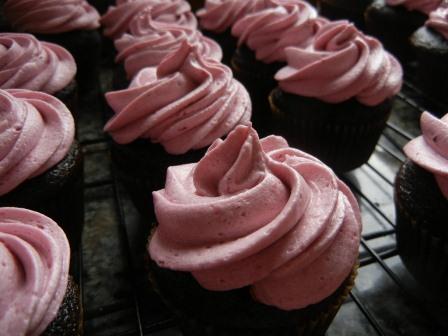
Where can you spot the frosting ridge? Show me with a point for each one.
(36, 133)
(342, 63)
(216, 221)
(27, 63)
(430, 150)
(194, 100)
(35, 255)
(51, 16)
(438, 20)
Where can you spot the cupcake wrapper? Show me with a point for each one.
(341, 135)
(69, 96)
(313, 321)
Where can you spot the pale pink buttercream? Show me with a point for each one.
(36, 132)
(430, 150)
(424, 6)
(27, 63)
(268, 32)
(260, 214)
(438, 20)
(118, 19)
(149, 41)
(34, 263)
(219, 15)
(51, 16)
(342, 63)
(187, 104)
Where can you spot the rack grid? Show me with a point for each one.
(386, 300)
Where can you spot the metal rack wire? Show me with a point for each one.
(385, 301)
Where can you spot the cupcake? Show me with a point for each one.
(149, 41)
(41, 165)
(430, 45)
(217, 18)
(70, 23)
(333, 99)
(352, 10)
(169, 115)
(421, 203)
(394, 21)
(26, 63)
(38, 295)
(262, 39)
(257, 238)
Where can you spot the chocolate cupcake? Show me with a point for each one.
(394, 21)
(262, 39)
(26, 63)
(421, 203)
(351, 10)
(257, 238)
(41, 166)
(70, 23)
(217, 18)
(38, 295)
(334, 98)
(170, 114)
(430, 45)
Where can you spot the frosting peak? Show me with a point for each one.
(438, 20)
(281, 230)
(36, 133)
(424, 6)
(341, 63)
(34, 261)
(27, 63)
(194, 101)
(430, 150)
(51, 16)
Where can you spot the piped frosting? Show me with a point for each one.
(342, 63)
(186, 103)
(27, 63)
(34, 262)
(258, 213)
(36, 133)
(438, 20)
(51, 16)
(430, 150)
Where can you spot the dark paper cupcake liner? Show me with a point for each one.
(258, 78)
(421, 228)
(234, 313)
(58, 194)
(342, 135)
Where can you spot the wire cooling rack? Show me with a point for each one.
(117, 297)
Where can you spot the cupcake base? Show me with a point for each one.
(58, 194)
(352, 10)
(227, 43)
(342, 135)
(431, 50)
(68, 321)
(236, 313)
(141, 166)
(69, 96)
(393, 25)
(258, 78)
(422, 233)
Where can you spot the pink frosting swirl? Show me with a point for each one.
(148, 42)
(219, 15)
(341, 64)
(192, 101)
(430, 150)
(34, 262)
(438, 20)
(118, 19)
(36, 132)
(51, 16)
(27, 63)
(260, 214)
(424, 6)
(270, 31)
